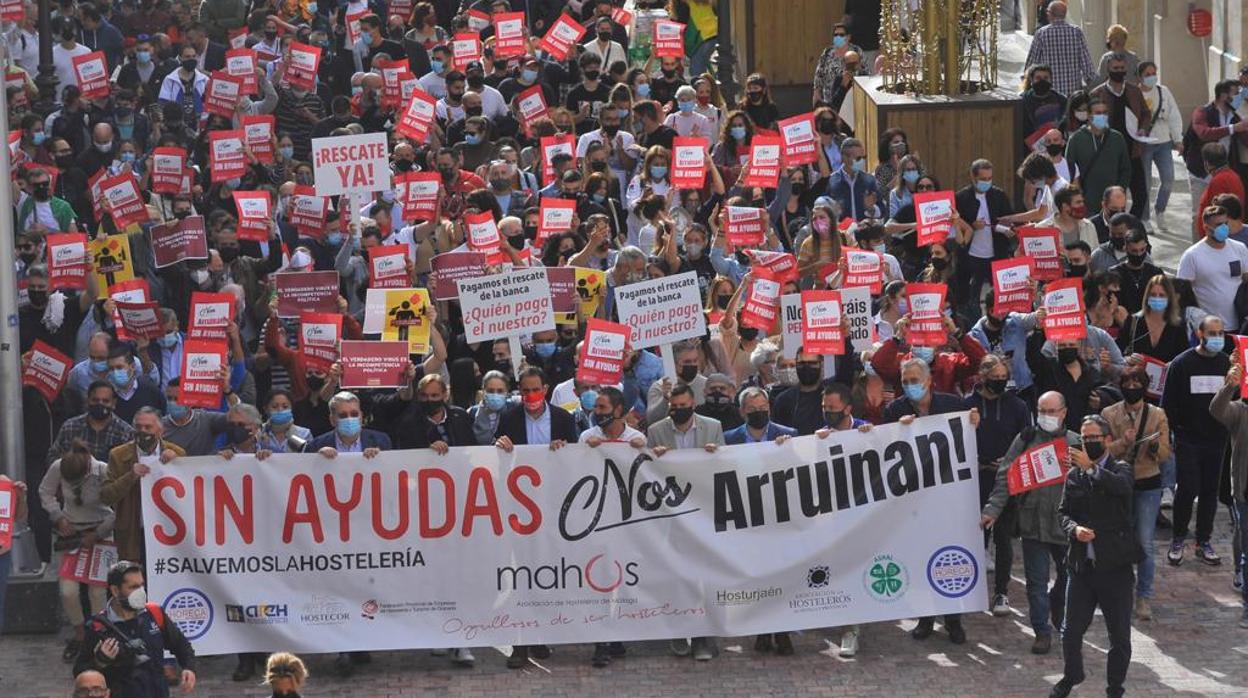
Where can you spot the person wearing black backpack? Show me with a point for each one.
(127, 640)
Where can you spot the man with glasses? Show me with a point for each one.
(91, 684)
(1096, 515)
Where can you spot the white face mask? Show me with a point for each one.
(786, 376)
(199, 276)
(300, 260)
(1049, 423)
(136, 600)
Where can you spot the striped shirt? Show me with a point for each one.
(1062, 47)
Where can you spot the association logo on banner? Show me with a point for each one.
(746, 597)
(257, 613)
(369, 609)
(324, 610)
(191, 610)
(886, 579)
(820, 595)
(596, 574)
(952, 571)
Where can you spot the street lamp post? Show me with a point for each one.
(727, 56)
(46, 79)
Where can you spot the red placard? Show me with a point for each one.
(482, 232)
(47, 370)
(221, 95)
(238, 37)
(93, 185)
(91, 72)
(418, 116)
(387, 267)
(532, 105)
(601, 359)
(374, 364)
(465, 48)
(478, 20)
(226, 159)
(555, 217)
(302, 291)
(319, 334)
(391, 72)
(762, 303)
(255, 215)
(552, 146)
(822, 329)
(401, 9)
(211, 314)
(419, 195)
(509, 35)
(564, 33)
(168, 165)
(89, 565)
(302, 65)
(782, 265)
(688, 163)
(12, 11)
(258, 135)
(745, 226)
(1063, 307)
(563, 296)
(140, 319)
(1039, 466)
(1011, 285)
(801, 145)
(68, 262)
(450, 267)
(178, 240)
(1156, 370)
(668, 39)
(308, 211)
(120, 194)
(200, 384)
(353, 26)
(763, 169)
(927, 315)
(621, 16)
(130, 291)
(241, 63)
(1044, 245)
(934, 212)
(863, 268)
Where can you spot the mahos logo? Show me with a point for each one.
(598, 574)
(952, 571)
(191, 610)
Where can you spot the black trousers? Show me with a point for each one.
(1002, 549)
(1114, 591)
(1139, 192)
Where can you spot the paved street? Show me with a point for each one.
(1193, 647)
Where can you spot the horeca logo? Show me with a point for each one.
(191, 610)
(886, 578)
(952, 571)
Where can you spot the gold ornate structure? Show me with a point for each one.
(939, 47)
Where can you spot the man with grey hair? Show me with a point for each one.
(501, 176)
(243, 427)
(90, 684)
(127, 463)
(349, 435)
(1039, 524)
(850, 185)
(985, 207)
(920, 400)
(686, 121)
(688, 362)
(166, 352)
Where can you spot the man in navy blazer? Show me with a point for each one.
(535, 421)
(756, 410)
(348, 435)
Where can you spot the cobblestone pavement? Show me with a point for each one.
(1193, 647)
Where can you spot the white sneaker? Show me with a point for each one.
(1167, 498)
(849, 643)
(462, 656)
(1000, 605)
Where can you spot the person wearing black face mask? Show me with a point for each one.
(688, 358)
(1114, 250)
(1067, 373)
(1134, 272)
(428, 421)
(718, 402)
(801, 405)
(1040, 101)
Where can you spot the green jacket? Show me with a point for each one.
(61, 211)
(1037, 510)
(1099, 172)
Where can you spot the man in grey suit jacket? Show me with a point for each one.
(681, 428)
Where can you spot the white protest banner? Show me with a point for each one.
(791, 324)
(661, 311)
(506, 305)
(351, 164)
(482, 547)
(856, 303)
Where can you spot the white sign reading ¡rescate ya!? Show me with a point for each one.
(351, 164)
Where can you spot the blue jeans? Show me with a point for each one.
(1169, 473)
(1147, 506)
(1163, 155)
(1045, 604)
(701, 59)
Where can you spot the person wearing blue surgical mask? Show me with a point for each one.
(1100, 154)
(1215, 266)
(195, 430)
(133, 390)
(495, 397)
(348, 434)
(546, 354)
(850, 185)
(685, 120)
(279, 433)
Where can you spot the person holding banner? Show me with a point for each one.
(1006, 335)
(429, 421)
(127, 463)
(920, 400)
(1037, 521)
(1069, 373)
(949, 370)
(1095, 513)
(194, 429)
(70, 494)
(495, 397)
(280, 434)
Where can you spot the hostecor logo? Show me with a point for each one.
(191, 610)
(952, 571)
